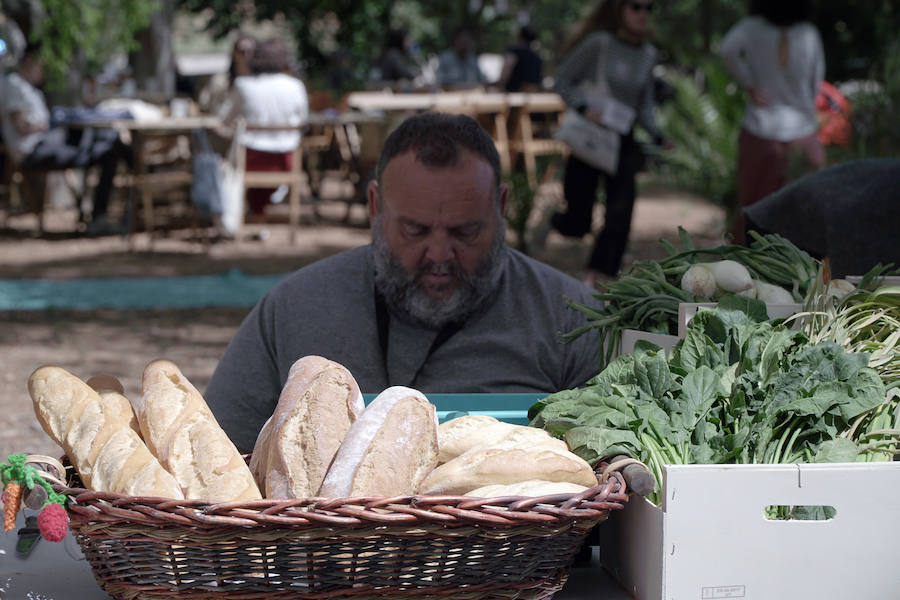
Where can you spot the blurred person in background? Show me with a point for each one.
(775, 54)
(613, 40)
(215, 95)
(33, 144)
(523, 69)
(396, 64)
(268, 97)
(458, 66)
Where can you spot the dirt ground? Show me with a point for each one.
(121, 342)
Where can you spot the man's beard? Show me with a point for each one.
(405, 293)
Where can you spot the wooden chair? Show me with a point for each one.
(161, 176)
(295, 178)
(22, 190)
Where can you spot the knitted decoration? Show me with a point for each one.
(53, 522)
(16, 476)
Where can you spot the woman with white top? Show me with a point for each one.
(269, 97)
(776, 55)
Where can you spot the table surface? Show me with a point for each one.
(165, 124)
(391, 101)
(53, 570)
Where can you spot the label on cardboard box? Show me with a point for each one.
(723, 591)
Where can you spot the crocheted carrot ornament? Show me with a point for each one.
(17, 476)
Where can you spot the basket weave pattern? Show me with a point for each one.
(409, 547)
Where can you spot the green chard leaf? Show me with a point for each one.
(755, 309)
(651, 374)
(769, 365)
(837, 450)
(595, 443)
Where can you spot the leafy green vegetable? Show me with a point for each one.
(647, 295)
(737, 389)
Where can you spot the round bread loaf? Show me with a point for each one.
(318, 404)
(388, 450)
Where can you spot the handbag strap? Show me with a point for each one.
(200, 141)
(236, 140)
(602, 65)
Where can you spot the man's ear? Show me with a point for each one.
(372, 199)
(503, 190)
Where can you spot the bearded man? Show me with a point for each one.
(436, 302)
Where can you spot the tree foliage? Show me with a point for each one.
(856, 33)
(91, 31)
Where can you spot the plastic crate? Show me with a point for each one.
(512, 408)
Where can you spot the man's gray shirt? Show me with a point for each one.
(329, 309)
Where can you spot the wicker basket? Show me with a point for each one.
(411, 547)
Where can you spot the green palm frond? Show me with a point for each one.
(703, 123)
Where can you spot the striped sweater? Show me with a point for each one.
(629, 75)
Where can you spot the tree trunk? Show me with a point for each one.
(153, 63)
(706, 25)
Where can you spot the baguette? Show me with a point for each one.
(496, 435)
(532, 487)
(449, 432)
(182, 432)
(113, 393)
(480, 467)
(94, 432)
(388, 450)
(319, 403)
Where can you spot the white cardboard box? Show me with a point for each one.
(711, 539)
(631, 336)
(888, 280)
(687, 310)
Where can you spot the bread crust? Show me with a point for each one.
(317, 407)
(95, 432)
(532, 487)
(182, 432)
(480, 467)
(484, 434)
(388, 450)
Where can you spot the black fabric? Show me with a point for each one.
(60, 149)
(396, 65)
(580, 188)
(383, 319)
(848, 212)
(529, 68)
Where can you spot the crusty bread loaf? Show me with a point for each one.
(94, 432)
(449, 432)
(113, 393)
(182, 432)
(480, 467)
(388, 450)
(497, 435)
(318, 404)
(532, 487)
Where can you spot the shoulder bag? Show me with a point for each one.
(593, 143)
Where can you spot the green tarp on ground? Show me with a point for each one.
(233, 288)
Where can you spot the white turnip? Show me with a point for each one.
(772, 294)
(731, 276)
(699, 282)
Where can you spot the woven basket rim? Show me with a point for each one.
(550, 511)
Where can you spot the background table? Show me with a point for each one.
(509, 118)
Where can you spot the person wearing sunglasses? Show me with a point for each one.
(775, 54)
(612, 44)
